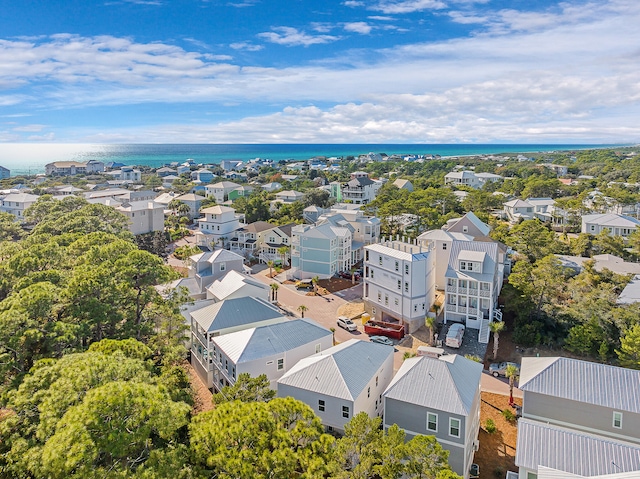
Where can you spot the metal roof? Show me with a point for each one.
(541, 444)
(612, 220)
(342, 371)
(265, 341)
(550, 473)
(234, 312)
(232, 282)
(449, 383)
(582, 381)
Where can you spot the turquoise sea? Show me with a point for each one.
(30, 158)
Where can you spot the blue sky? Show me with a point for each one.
(298, 71)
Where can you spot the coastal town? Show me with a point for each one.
(486, 306)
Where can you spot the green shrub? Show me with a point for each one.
(490, 426)
(508, 415)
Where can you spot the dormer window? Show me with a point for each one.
(617, 420)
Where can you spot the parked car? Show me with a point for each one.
(304, 284)
(455, 335)
(381, 340)
(347, 275)
(500, 369)
(346, 323)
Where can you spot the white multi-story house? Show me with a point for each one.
(249, 239)
(438, 397)
(579, 419)
(224, 317)
(366, 229)
(271, 350)
(399, 283)
(321, 250)
(218, 226)
(469, 178)
(329, 384)
(438, 243)
(16, 203)
(288, 196)
(616, 225)
(69, 168)
(220, 191)
(144, 216)
(274, 240)
(474, 280)
(360, 190)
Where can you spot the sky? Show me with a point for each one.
(321, 71)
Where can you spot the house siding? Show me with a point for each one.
(578, 415)
(331, 416)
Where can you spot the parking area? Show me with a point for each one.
(470, 344)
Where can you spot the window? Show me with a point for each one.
(399, 284)
(462, 283)
(368, 392)
(320, 404)
(444, 246)
(463, 265)
(465, 229)
(397, 266)
(345, 411)
(432, 422)
(415, 308)
(280, 364)
(454, 427)
(395, 301)
(371, 274)
(451, 282)
(406, 287)
(379, 297)
(318, 348)
(532, 475)
(376, 381)
(366, 255)
(617, 420)
(406, 269)
(386, 299)
(223, 266)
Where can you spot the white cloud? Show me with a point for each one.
(353, 3)
(244, 4)
(570, 72)
(290, 37)
(358, 27)
(407, 6)
(30, 128)
(250, 47)
(381, 18)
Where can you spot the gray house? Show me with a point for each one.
(224, 317)
(578, 417)
(209, 266)
(272, 350)
(439, 397)
(341, 382)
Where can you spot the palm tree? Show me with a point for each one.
(353, 274)
(302, 308)
(183, 209)
(274, 291)
(333, 332)
(430, 323)
(496, 327)
(270, 264)
(512, 373)
(174, 205)
(282, 251)
(314, 281)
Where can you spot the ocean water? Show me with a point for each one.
(30, 158)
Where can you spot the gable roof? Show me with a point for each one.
(264, 341)
(612, 220)
(342, 371)
(234, 312)
(223, 184)
(517, 203)
(190, 197)
(449, 383)
(541, 444)
(233, 282)
(217, 256)
(258, 227)
(217, 210)
(582, 381)
(475, 221)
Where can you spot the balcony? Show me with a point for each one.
(484, 293)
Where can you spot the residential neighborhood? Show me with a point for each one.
(503, 307)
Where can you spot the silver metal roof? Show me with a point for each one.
(342, 371)
(264, 341)
(449, 383)
(234, 312)
(582, 381)
(574, 452)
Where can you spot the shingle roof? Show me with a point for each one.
(263, 341)
(342, 371)
(449, 383)
(582, 381)
(541, 444)
(234, 312)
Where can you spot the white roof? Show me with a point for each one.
(400, 250)
(631, 292)
(21, 197)
(233, 282)
(223, 185)
(233, 313)
(477, 256)
(517, 203)
(551, 473)
(449, 383)
(264, 341)
(342, 371)
(582, 381)
(568, 450)
(612, 220)
(190, 197)
(442, 235)
(216, 256)
(217, 210)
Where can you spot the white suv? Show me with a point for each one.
(346, 323)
